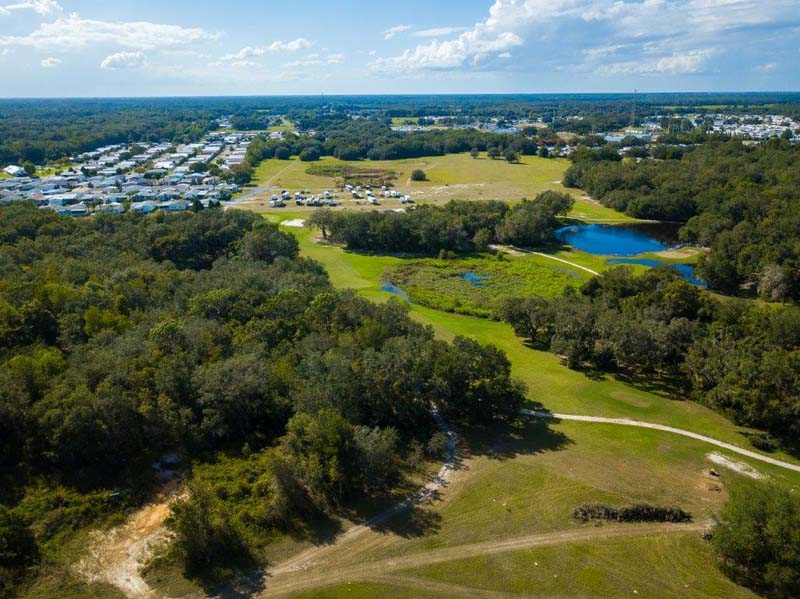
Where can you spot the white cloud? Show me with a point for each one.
(250, 51)
(469, 48)
(438, 31)
(40, 7)
(767, 67)
(74, 32)
(311, 60)
(124, 60)
(393, 31)
(671, 37)
(49, 63)
(677, 64)
(245, 64)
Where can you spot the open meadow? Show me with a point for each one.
(449, 177)
(502, 525)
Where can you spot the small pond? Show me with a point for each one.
(395, 290)
(627, 240)
(474, 278)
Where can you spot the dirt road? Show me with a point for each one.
(287, 583)
(115, 556)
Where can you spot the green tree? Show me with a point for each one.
(266, 242)
(418, 175)
(757, 539)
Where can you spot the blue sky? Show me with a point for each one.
(230, 47)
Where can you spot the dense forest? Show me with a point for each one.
(737, 357)
(742, 201)
(123, 338)
(457, 227)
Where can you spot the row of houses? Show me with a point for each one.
(167, 180)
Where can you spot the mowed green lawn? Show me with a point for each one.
(453, 176)
(527, 486)
(550, 383)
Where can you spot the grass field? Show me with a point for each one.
(285, 126)
(453, 176)
(521, 491)
(503, 525)
(405, 120)
(554, 385)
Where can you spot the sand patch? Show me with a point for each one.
(740, 467)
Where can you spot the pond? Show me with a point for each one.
(395, 290)
(627, 240)
(474, 279)
(620, 240)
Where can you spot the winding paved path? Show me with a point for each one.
(668, 429)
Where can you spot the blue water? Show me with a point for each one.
(610, 240)
(687, 271)
(627, 240)
(474, 279)
(395, 290)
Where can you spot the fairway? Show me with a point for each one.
(504, 524)
(550, 383)
(450, 177)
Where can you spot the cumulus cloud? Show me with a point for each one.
(124, 60)
(40, 7)
(638, 36)
(251, 51)
(49, 63)
(396, 30)
(74, 32)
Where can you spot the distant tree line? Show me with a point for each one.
(736, 357)
(50, 130)
(741, 201)
(459, 226)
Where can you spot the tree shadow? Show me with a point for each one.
(528, 435)
(411, 522)
(320, 529)
(241, 588)
(660, 384)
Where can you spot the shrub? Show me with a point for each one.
(640, 512)
(763, 441)
(309, 155)
(418, 175)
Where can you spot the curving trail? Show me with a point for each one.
(668, 429)
(512, 249)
